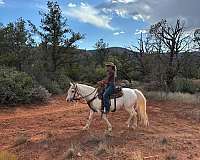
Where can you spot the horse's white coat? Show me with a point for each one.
(131, 99)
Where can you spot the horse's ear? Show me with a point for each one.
(72, 83)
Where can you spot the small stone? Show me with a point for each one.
(79, 154)
(46, 146)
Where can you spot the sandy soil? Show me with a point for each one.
(48, 131)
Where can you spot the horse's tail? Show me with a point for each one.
(141, 108)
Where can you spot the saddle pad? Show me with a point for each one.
(118, 92)
(116, 95)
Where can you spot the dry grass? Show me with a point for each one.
(7, 156)
(101, 149)
(71, 153)
(20, 140)
(196, 82)
(194, 114)
(164, 141)
(136, 156)
(93, 140)
(177, 96)
(171, 156)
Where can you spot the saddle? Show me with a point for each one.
(117, 92)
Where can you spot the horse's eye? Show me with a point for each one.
(72, 91)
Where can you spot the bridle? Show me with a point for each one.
(76, 91)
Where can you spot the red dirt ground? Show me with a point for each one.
(174, 132)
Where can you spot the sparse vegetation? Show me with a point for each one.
(185, 86)
(136, 156)
(70, 153)
(93, 140)
(164, 141)
(41, 56)
(20, 140)
(163, 58)
(169, 122)
(101, 149)
(4, 155)
(171, 156)
(176, 96)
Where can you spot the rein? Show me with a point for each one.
(83, 97)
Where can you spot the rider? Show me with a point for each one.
(110, 85)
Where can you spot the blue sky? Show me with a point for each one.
(118, 22)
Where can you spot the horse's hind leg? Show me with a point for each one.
(87, 126)
(132, 114)
(129, 119)
(108, 123)
(135, 120)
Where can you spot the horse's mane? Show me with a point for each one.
(84, 85)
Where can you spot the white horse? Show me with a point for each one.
(133, 101)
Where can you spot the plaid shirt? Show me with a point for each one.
(110, 77)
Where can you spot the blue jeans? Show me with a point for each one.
(106, 96)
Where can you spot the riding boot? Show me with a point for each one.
(102, 105)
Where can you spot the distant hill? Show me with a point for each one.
(114, 50)
(119, 50)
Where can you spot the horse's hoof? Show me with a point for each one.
(109, 129)
(108, 133)
(85, 128)
(134, 127)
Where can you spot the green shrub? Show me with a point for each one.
(185, 86)
(18, 87)
(100, 73)
(63, 80)
(40, 94)
(53, 87)
(15, 87)
(55, 83)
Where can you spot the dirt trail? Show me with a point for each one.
(51, 129)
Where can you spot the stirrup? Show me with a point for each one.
(103, 111)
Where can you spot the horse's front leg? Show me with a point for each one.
(108, 123)
(87, 126)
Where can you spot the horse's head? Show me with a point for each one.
(79, 91)
(72, 92)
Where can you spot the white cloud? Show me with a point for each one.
(138, 17)
(121, 12)
(118, 33)
(71, 5)
(2, 2)
(139, 31)
(88, 14)
(122, 1)
(155, 10)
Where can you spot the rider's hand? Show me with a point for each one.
(99, 83)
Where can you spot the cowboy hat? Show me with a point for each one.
(110, 64)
